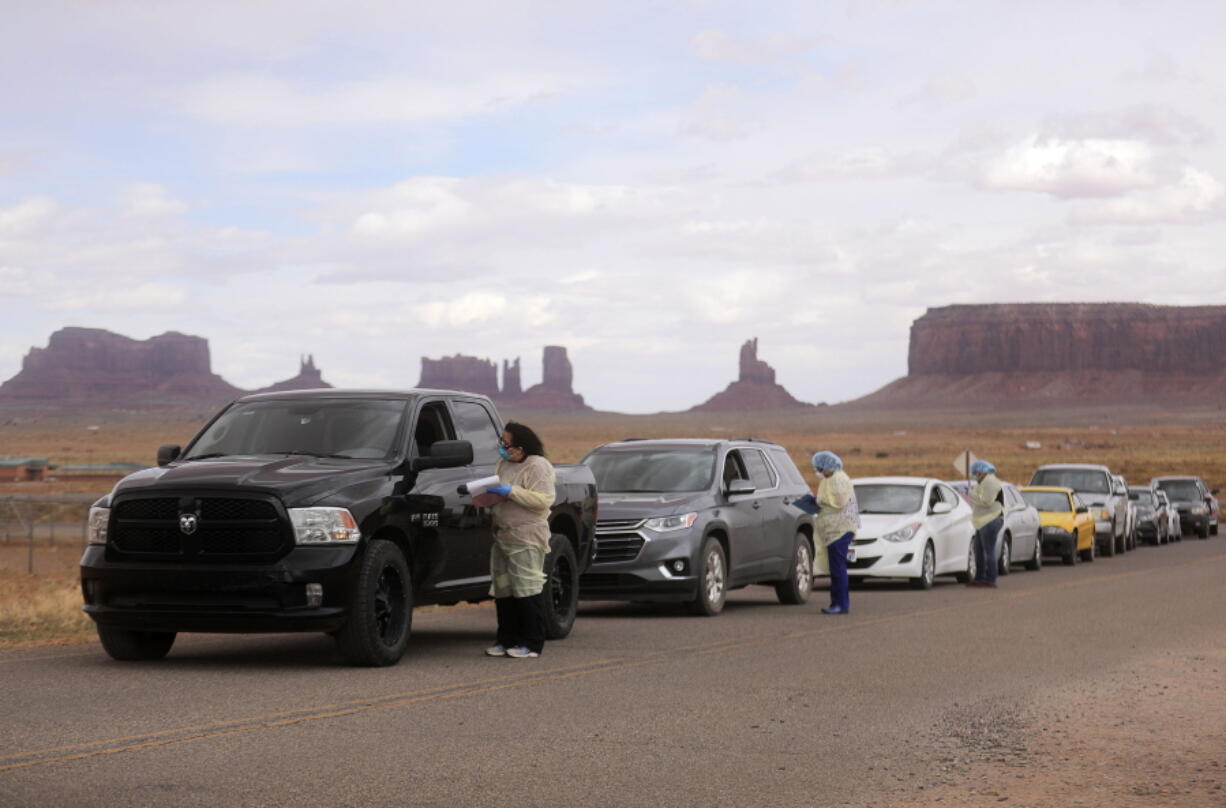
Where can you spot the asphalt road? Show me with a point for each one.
(641, 706)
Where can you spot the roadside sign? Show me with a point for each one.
(963, 463)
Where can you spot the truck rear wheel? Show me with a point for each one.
(128, 645)
(561, 587)
(381, 609)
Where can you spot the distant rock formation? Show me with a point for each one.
(1018, 353)
(460, 372)
(754, 390)
(308, 378)
(553, 394)
(94, 365)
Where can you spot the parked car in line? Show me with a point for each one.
(1100, 491)
(1197, 505)
(1067, 524)
(1018, 541)
(1151, 524)
(911, 527)
(1130, 526)
(1174, 528)
(689, 519)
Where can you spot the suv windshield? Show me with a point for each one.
(1083, 481)
(654, 470)
(889, 498)
(330, 427)
(1181, 490)
(1050, 501)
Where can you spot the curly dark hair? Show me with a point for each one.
(525, 439)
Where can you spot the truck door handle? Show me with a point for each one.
(756, 505)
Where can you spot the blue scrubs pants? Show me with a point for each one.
(836, 552)
(985, 551)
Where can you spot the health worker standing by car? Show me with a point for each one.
(987, 515)
(521, 542)
(835, 524)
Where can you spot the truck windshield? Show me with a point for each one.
(654, 470)
(1049, 501)
(326, 427)
(1181, 490)
(889, 498)
(1083, 481)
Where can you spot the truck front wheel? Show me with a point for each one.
(380, 610)
(127, 645)
(561, 587)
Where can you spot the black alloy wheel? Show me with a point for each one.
(561, 586)
(376, 633)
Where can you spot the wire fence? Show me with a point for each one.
(45, 520)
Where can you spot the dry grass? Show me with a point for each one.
(1137, 444)
(36, 610)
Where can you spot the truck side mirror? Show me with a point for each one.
(444, 454)
(740, 486)
(168, 454)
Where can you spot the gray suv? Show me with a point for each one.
(689, 519)
(1106, 496)
(1197, 504)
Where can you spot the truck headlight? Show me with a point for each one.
(1199, 510)
(98, 519)
(324, 526)
(1105, 515)
(905, 533)
(665, 524)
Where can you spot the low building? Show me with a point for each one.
(24, 469)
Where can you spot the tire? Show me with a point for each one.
(1203, 531)
(1036, 560)
(971, 566)
(127, 645)
(380, 609)
(1005, 562)
(1213, 530)
(1072, 556)
(1088, 554)
(712, 579)
(928, 569)
(1109, 547)
(561, 587)
(795, 590)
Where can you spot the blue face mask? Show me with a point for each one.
(503, 453)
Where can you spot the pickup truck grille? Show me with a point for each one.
(226, 528)
(618, 540)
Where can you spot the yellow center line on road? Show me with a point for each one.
(136, 743)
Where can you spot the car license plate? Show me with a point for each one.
(851, 555)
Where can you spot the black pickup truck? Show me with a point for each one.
(316, 510)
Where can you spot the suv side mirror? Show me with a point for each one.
(444, 454)
(740, 486)
(168, 454)
(941, 507)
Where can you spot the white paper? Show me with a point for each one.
(480, 486)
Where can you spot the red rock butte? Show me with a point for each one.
(93, 365)
(754, 390)
(1061, 352)
(470, 373)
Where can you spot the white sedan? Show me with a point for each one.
(911, 527)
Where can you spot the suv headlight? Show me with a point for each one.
(905, 533)
(666, 524)
(98, 519)
(1199, 510)
(324, 526)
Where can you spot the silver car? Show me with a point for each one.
(1018, 541)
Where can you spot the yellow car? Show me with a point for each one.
(1067, 524)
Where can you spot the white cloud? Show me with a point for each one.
(718, 46)
(268, 101)
(1195, 197)
(149, 199)
(25, 216)
(145, 297)
(734, 297)
(721, 114)
(1073, 168)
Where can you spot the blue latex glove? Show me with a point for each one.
(501, 490)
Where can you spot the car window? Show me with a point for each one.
(734, 468)
(331, 427)
(786, 468)
(433, 424)
(652, 469)
(889, 498)
(477, 427)
(1050, 501)
(760, 474)
(1181, 490)
(1012, 499)
(1083, 481)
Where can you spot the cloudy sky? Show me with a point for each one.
(648, 184)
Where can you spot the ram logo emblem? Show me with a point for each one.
(188, 523)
